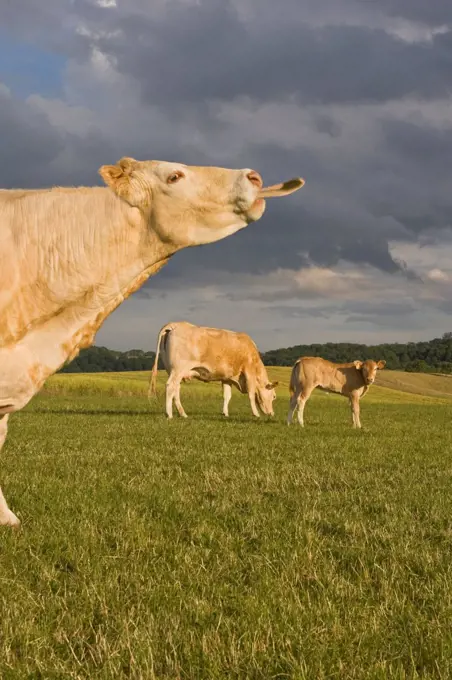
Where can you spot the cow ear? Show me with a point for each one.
(272, 385)
(358, 365)
(114, 174)
(118, 177)
(381, 363)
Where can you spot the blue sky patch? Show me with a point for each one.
(26, 69)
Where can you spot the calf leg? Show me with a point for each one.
(354, 404)
(227, 394)
(292, 406)
(7, 517)
(302, 399)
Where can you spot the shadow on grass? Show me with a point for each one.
(153, 414)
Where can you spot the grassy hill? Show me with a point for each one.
(392, 385)
(423, 384)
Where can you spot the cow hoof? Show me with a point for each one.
(9, 519)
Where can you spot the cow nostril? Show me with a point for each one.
(255, 179)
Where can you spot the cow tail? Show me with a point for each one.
(152, 391)
(293, 378)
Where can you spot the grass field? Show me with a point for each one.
(214, 549)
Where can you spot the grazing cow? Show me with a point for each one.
(212, 355)
(351, 380)
(70, 256)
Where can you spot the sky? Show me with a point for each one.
(352, 95)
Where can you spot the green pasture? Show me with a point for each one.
(213, 548)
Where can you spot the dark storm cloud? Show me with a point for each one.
(35, 153)
(430, 148)
(29, 143)
(206, 52)
(418, 158)
(435, 13)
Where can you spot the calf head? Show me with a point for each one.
(190, 205)
(265, 396)
(369, 369)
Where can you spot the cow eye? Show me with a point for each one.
(175, 177)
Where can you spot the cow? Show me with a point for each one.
(212, 355)
(70, 256)
(351, 380)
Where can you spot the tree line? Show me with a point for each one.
(433, 356)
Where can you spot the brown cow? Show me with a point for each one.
(351, 380)
(70, 256)
(212, 355)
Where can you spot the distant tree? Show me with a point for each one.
(419, 366)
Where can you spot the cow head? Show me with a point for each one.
(265, 396)
(369, 369)
(190, 205)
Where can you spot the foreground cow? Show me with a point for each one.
(70, 256)
(351, 380)
(212, 355)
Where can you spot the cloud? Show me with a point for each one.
(438, 275)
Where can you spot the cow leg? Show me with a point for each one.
(177, 401)
(7, 518)
(292, 406)
(170, 396)
(302, 399)
(227, 394)
(354, 403)
(251, 386)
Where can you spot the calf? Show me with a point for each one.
(212, 355)
(351, 380)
